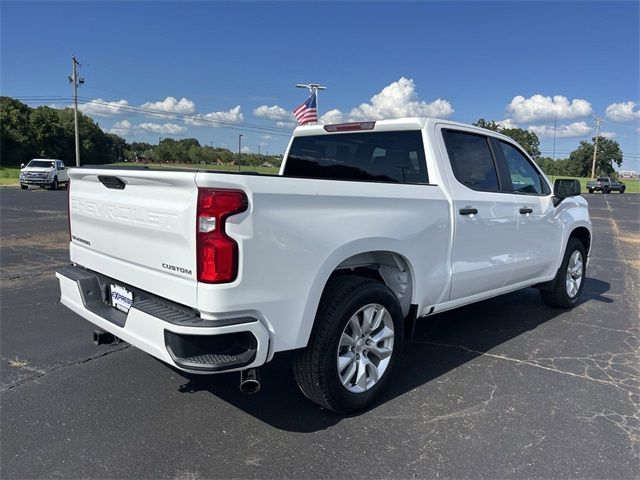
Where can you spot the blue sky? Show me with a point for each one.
(518, 62)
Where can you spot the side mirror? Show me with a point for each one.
(22, 165)
(564, 188)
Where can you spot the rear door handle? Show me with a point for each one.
(468, 211)
(526, 210)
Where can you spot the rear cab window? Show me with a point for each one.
(395, 156)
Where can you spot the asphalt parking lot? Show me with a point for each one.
(507, 388)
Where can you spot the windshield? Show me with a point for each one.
(42, 163)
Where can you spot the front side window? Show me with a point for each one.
(524, 177)
(366, 156)
(471, 160)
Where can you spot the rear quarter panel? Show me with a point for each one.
(297, 231)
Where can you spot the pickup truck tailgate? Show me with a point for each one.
(138, 227)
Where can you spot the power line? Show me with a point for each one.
(196, 118)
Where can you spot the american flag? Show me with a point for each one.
(307, 112)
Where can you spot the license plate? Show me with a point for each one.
(121, 298)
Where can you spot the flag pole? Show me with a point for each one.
(313, 89)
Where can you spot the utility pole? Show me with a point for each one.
(313, 88)
(239, 149)
(595, 149)
(75, 81)
(555, 119)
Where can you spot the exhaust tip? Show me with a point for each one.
(250, 381)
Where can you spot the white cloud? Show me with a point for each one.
(273, 113)
(266, 137)
(608, 134)
(246, 150)
(166, 128)
(263, 144)
(507, 123)
(210, 119)
(332, 116)
(623, 111)
(540, 108)
(576, 129)
(121, 128)
(286, 124)
(399, 99)
(103, 108)
(172, 105)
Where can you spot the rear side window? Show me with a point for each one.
(366, 156)
(471, 160)
(603, 179)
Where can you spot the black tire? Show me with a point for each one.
(591, 190)
(558, 297)
(54, 185)
(316, 368)
(622, 189)
(23, 186)
(605, 189)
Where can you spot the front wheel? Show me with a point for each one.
(569, 281)
(54, 185)
(23, 186)
(591, 190)
(355, 344)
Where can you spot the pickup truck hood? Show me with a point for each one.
(36, 169)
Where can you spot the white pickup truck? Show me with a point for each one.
(43, 172)
(368, 227)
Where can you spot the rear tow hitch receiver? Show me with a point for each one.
(100, 337)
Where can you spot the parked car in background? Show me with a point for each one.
(605, 185)
(43, 172)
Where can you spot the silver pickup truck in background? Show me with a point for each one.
(605, 185)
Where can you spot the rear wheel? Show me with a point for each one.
(355, 344)
(591, 190)
(569, 281)
(622, 189)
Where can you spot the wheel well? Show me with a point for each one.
(583, 235)
(389, 268)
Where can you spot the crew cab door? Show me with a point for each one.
(485, 217)
(63, 176)
(539, 234)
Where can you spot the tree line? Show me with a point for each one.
(46, 132)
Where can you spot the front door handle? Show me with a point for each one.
(526, 210)
(468, 211)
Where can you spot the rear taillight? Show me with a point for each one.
(217, 253)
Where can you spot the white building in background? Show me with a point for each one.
(628, 174)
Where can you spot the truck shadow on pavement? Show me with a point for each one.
(441, 343)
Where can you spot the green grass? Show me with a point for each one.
(9, 175)
(633, 185)
(191, 166)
